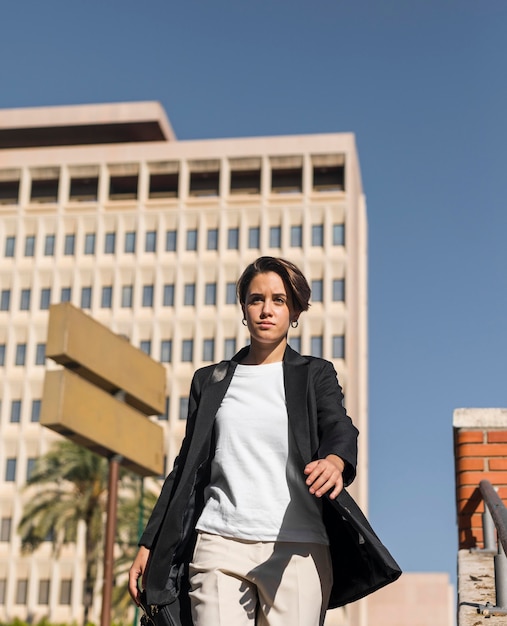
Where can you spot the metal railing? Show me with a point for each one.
(495, 518)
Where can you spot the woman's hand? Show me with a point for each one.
(136, 571)
(325, 475)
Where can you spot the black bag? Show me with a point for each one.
(160, 615)
(361, 563)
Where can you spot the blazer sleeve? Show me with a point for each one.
(159, 510)
(337, 434)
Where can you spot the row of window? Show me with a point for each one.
(170, 240)
(148, 295)
(21, 595)
(204, 180)
(11, 465)
(187, 355)
(165, 354)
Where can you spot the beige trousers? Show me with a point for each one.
(245, 583)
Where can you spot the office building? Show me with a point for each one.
(102, 206)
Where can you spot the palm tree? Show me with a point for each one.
(70, 487)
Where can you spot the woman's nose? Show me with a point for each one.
(267, 307)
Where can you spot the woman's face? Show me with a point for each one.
(268, 309)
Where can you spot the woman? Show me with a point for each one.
(240, 518)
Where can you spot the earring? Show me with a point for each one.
(244, 322)
(294, 324)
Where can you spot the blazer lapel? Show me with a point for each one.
(296, 386)
(209, 403)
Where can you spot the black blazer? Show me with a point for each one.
(319, 426)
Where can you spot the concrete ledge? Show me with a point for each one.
(476, 586)
(480, 418)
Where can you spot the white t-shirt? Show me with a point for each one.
(256, 492)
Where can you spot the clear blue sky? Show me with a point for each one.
(423, 85)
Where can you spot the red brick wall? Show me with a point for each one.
(480, 454)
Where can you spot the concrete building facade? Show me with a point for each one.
(102, 206)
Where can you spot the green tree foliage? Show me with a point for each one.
(67, 486)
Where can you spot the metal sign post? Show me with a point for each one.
(100, 399)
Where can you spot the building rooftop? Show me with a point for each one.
(39, 127)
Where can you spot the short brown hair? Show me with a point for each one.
(293, 279)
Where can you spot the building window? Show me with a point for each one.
(5, 299)
(45, 298)
(9, 194)
(2, 354)
(183, 408)
(35, 414)
(295, 343)
(170, 241)
(163, 185)
(338, 234)
(24, 303)
(210, 293)
(150, 244)
(10, 470)
(316, 346)
(130, 242)
(192, 239)
(166, 350)
(229, 348)
(69, 244)
(44, 586)
(212, 239)
(168, 295)
(49, 245)
(89, 247)
(338, 347)
(286, 179)
(106, 300)
(233, 238)
(86, 297)
(147, 295)
(15, 412)
(20, 354)
(189, 294)
(338, 290)
(110, 243)
(296, 236)
(317, 290)
(126, 296)
(206, 183)
(44, 190)
(66, 591)
(187, 350)
(5, 528)
(84, 189)
(40, 354)
(10, 244)
(275, 237)
(246, 181)
(208, 350)
(165, 415)
(328, 177)
(254, 237)
(123, 187)
(317, 235)
(3, 590)
(30, 245)
(230, 293)
(145, 346)
(65, 294)
(30, 466)
(21, 591)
